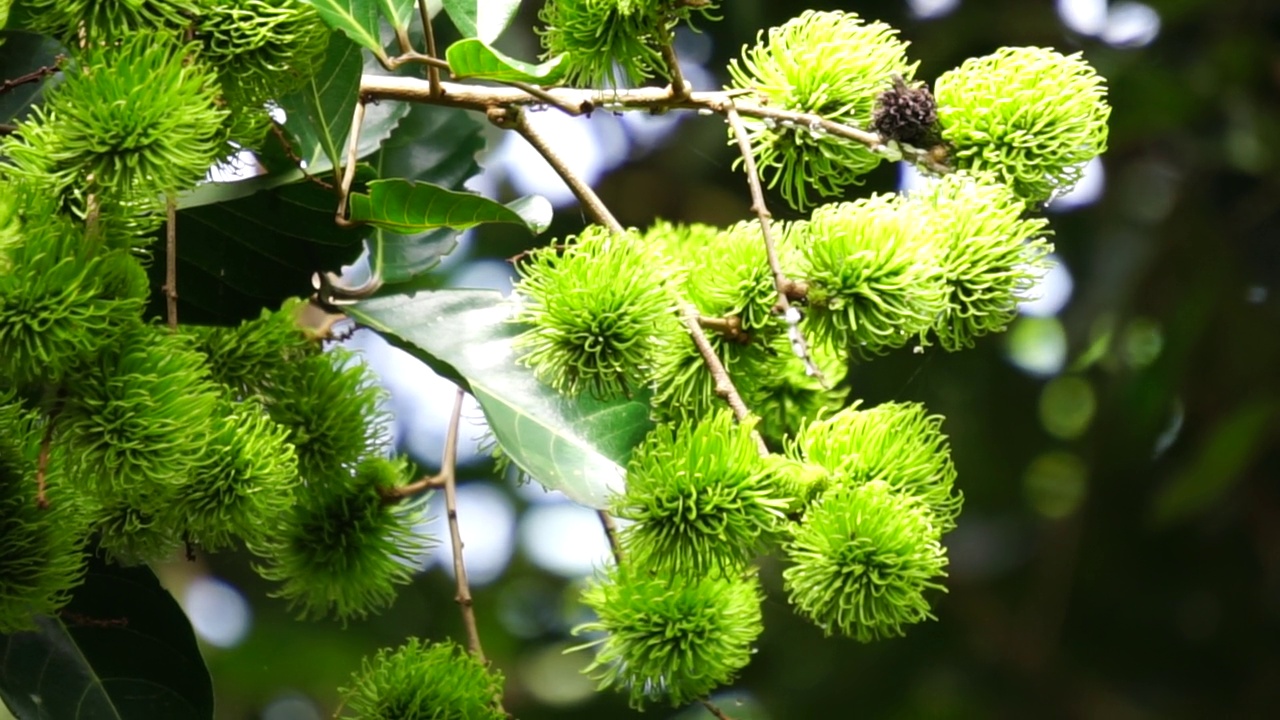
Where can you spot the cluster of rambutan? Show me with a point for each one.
(131, 439)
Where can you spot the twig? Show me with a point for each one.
(780, 282)
(611, 532)
(730, 328)
(171, 261)
(292, 154)
(392, 495)
(679, 88)
(433, 72)
(714, 710)
(349, 170)
(42, 460)
(36, 75)
(724, 385)
(513, 118)
(448, 470)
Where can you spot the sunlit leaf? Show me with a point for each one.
(398, 12)
(472, 58)
(122, 649)
(406, 207)
(483, 19)
(358, 19)
(579, 446)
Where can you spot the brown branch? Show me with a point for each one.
(171, 262)
(780, 281)
(730, 328)
(36, 75)
(433, 71)
(42, 460)
(448, 469)
(611, 532)
(679, 87)
(349, 170)
(714, 710)
(513, 118)
(723, 384)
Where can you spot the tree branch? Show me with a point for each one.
(513, 118)
(171, 262)
(611, 532)
(448, 470)
(349, 168)
(780, 282)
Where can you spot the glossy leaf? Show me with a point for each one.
(122, 649)
(357, 19)
(432, 144)
(404, 207)
(483, 19)
(577, 445)
(398, 12)
(380, 120)
(472, 58)
(319, 114)
(22, 53)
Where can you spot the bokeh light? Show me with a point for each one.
(1037, 346)
(219, 613)
(564, 538)
(1055, 484)
(1067, 406)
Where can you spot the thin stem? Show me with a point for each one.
(393, 495)
(433, 71)
(679, 88)
(36, 75)
(349, 170)
(513, 118)
(448, 471)
(730, 328)
(723, 384)
(714, 710)
(611, 532)
(42, 460)
(780, 281)
(171, 261)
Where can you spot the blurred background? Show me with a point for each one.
(1119, 551)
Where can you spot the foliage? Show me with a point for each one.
(705, 366)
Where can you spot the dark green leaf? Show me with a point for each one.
(319, 114)
(483, 19)
(579, 446)
(1221, 461)
(357, 19)
(406, 207)
(239, 256)
(432, 144)
(472, 58)
(22, 53)
(121, 650)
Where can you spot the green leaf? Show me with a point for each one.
(122, 649)
(319, 114)
(473, 58)
(1222, 460)
(576, 445)
(432, 144)
(403, 206)
(398, 12)
(22, 53)
(483, 19)
(380, 120)
(357, 19)
(237, 257)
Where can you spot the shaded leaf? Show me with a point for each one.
(122, 649)
(472, 58)
(239, 256)
(576, 445)
(22, 53)
(404, 207)
(357, 19)
(483, 19)
(1220, 462)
